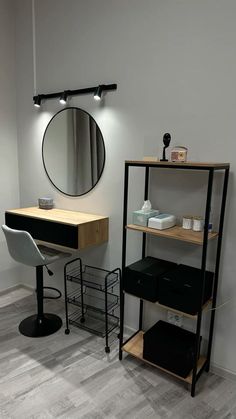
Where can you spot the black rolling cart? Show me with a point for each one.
(91, 298)
(135, 344)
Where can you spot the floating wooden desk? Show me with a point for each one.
(76, 230)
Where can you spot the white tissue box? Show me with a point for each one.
(162, 221)
(141, 218)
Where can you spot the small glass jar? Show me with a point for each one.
(197, 223)
(187, 222)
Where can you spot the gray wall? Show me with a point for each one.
(9, 179)
(175, 65)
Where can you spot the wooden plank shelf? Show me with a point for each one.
(176, 233)
(134, 347)
(57, 215)
(182, 165)
(182, 313)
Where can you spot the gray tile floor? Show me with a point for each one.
(70, 376)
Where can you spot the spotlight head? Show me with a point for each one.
(63, 98)
(37, 101)
(98, 93)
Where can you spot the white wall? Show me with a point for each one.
(174, 63)
(9, 179)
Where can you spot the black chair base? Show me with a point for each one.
(34, 328)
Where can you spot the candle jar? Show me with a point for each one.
(187, 222)
(197, 223)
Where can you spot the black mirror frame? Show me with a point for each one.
(44, 165)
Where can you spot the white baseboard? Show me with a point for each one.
(129, 330)
(223, 372)
(15, 287)
(27, 287)
(9, 289)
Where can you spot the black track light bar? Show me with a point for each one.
(66, 93)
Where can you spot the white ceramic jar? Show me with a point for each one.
(197, 223)
(187, 222)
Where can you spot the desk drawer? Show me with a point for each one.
(48, 231)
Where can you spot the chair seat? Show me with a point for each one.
(51, 255)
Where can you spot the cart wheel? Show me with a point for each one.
(82, 320)
(67, 331)
(107, 349)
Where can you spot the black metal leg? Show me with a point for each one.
(107, 349)
(121, 334)
(124, 240)
(82, 320)
(217, 266)
(67, 331)
(40, 324)
(203, 268)
(146, 185)
(39, 280)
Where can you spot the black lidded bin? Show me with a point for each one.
(181, 289)
(142, 277)
(170, 347)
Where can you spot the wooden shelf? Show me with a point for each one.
(135, 347)
(176, 233)
(182, 313)
(57, 215)
(182, 165)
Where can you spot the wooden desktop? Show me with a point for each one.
(72, 229)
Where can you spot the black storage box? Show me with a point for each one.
(181, 288)
(170, 347)
(141, 278)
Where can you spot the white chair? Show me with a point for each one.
(23, 249)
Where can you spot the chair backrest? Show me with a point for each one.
(22, 247)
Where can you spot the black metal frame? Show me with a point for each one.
(211, 168)
(75, 92)
(41, 324)
(103, 147)
(77, 276)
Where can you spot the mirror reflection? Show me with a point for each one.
(73, 151)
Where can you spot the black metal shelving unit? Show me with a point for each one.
(134, 345)
(91, 291)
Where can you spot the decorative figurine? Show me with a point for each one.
(166, 141)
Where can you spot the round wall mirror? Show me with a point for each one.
(73, 151)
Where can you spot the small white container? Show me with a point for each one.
(179, 154)
(162, 221)
(187, 222)
(197, 224)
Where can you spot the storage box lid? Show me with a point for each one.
(151, 266)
